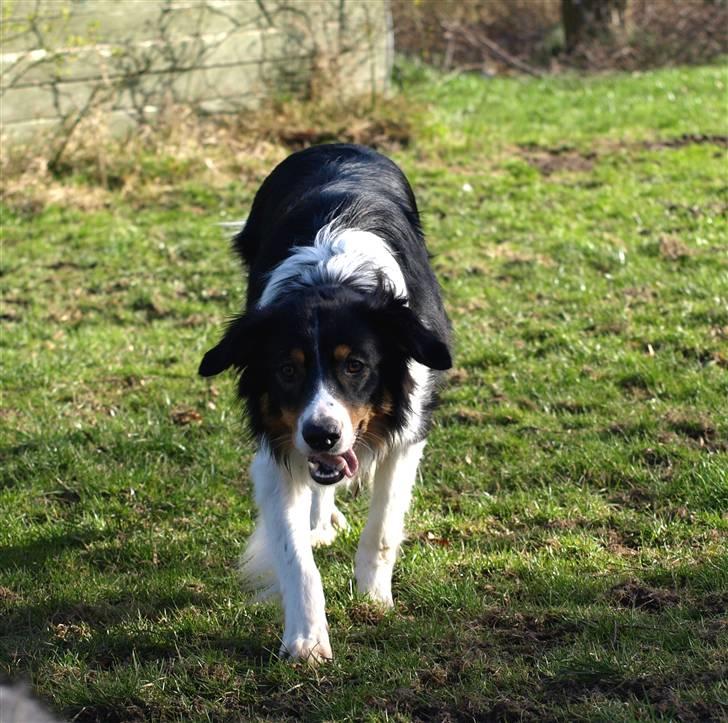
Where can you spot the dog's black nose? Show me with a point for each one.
(321, 436)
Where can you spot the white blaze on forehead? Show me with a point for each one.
(325, 406)
(338, 256)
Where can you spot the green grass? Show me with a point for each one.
(567, 548)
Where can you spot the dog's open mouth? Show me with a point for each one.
(327, 469)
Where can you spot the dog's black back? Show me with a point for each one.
(360, 187)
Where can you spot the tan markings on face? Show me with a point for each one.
(298, 356)
(341, 352)
(360, 416)
(281, 426)
(386, 406)
(374, 430)
(370, 421)
(289, 418)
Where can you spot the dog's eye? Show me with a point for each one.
(287, 371)
(354, 366)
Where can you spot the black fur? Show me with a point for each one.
(366, 191)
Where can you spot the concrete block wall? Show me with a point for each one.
(59, 59)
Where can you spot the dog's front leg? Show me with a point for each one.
(380, 540)
(326, 519)
(285, 506)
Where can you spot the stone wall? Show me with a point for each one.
(62, 59)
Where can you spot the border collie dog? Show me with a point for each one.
(340, 353)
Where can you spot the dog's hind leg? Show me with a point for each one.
(326, 519)
(384, 531)
(283, 537)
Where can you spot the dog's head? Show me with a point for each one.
(326, 373)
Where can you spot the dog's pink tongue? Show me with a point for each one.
(351, 463)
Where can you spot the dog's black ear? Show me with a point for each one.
(234, 347)
(414, 338)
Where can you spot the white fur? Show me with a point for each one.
(326, 519)
(282, 541)
(324, 405)
(338, 256)
(278, 559)
(384, 531)
(422, 381)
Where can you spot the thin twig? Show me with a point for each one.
(453, 30)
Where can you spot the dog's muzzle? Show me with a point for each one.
(328, 469)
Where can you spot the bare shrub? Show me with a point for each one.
(73, 71)
(182, 144)
(526, 35)
(445, 33)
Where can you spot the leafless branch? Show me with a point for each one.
(455, 32)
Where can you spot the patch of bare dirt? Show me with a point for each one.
(101, 613)
(621, 545)
(184, 416)
(430, 538)
(697, 427)
(716, 603)
(10, 315)
(565, 159)
(366, 613)
(193, 320)
(419, 704)
(526, 632)
(377, 133)
(636, 385)
(640, 295)
(74, 265)
(703, 356)
(687, 139)
(672, 248)
(662, 692)
(507, 710)
(152, 307)
(560, 159)
(466, 416)
(633, 594)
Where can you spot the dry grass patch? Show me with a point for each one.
(96, 167)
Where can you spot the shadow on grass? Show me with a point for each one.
(122, 641)
(116, 630)
(38, 552)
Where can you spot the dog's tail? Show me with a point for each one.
(256, 565)
(245, 244)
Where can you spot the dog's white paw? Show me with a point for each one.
(338, 520)
(323, 535)
(312, 650)
(380, 595)
(325, 532)
(375, 582)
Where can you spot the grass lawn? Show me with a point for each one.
(567, 548)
